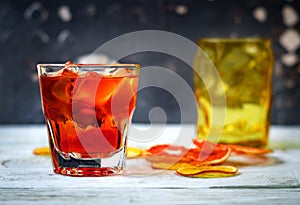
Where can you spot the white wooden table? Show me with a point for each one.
(28, 179)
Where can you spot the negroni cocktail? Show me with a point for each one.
(87, 110)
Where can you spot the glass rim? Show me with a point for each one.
(233, 39)
(88, 64)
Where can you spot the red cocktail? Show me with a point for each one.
(87, 110)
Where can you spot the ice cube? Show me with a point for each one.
(62, 89)
(236, 59)
(109, 71)
(72, 67)
(117, 72)
(122, 99)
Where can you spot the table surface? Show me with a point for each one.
(28, 179)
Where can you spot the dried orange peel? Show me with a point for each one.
(237, 149)
(196, 156)
(207, 171)
(203, 161)
(133, 152)
(216, 157)
(166, 153)
(212, 175)
(42, 151)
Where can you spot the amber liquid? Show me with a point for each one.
(86, 116)
(245, 67)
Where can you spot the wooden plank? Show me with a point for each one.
(27, 179)
(149, 196)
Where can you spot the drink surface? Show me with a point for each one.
(86, 111)
(245, 68)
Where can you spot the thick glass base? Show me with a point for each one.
(112, 165)
(235, 135)
(86, 172)
(252, 141)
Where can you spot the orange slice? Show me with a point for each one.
(237, 149)
(218, 156)
(172, 154)
(165, 153)
(213, 175)
(207, 171)
(133, 152)
(166, 149)
(41, 151)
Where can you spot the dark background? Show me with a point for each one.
(32, 32)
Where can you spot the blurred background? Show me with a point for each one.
(55, 31)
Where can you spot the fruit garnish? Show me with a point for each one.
(248, 150)
(41, 151)
(203, 161)
(166, 153)
(207, 171)
(166, 149)
(133, 152)
(237, 149)
(217, 156)
(213, 175)
(196, 156)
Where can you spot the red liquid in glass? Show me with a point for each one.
(85, 112)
